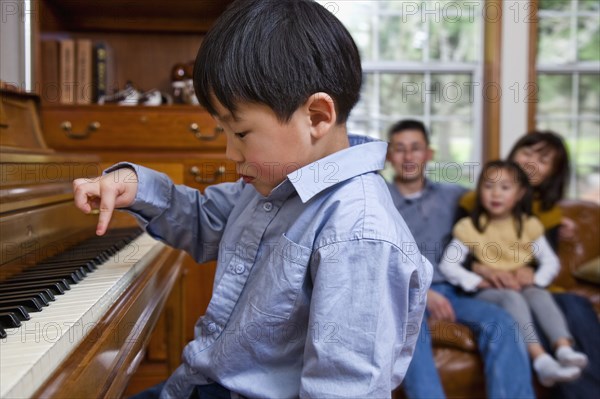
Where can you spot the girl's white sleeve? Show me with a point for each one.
(548, 262)
(451, 267)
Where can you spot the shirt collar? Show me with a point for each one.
(363, 156)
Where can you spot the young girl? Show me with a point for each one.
(502, 235)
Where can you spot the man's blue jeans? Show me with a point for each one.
(507, 365)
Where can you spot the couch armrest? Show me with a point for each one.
(452, 335)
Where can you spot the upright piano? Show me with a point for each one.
(76, 310)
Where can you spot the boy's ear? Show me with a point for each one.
(321, 109)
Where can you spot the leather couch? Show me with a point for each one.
(455, 350)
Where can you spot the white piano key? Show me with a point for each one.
(30, 353)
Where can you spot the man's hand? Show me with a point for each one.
(524, 276)
(113, 190)
(439, 307)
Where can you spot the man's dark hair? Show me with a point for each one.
(408, 124)
(277, 53)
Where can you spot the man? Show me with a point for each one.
(429, 209)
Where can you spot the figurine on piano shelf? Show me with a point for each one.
(315, 294)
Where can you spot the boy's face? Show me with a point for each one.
(409, 153)
(265, 150)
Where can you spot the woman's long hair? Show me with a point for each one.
(552, 189)
(522, 207)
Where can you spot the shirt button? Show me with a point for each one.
(239, 269)
(267, 206)
(211, 327)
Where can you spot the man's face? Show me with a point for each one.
(408, 153)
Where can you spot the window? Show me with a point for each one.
(422, 60)
(568, 78)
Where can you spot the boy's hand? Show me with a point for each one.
(524, 276)
(439, 307)
(105, 193)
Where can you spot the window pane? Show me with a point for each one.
(363, 108)
(589, 95)
(555, 94)
(562, 127)
(560, 5)
(402, 38)
(455, 36)
(452, 141)
(357, 18)
(588, 38)
(451, 95)
(402, 94)
(589, 5)
(587, 167)
(554, 44)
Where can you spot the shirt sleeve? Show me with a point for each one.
(548, 262)
(366, 308)
(179, 215)
(451, 267)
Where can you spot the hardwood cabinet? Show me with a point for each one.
(147, 38)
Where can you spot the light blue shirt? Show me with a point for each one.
(315, 294)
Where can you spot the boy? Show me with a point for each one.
(313, 294)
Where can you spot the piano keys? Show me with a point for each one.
(32, 351)
(93, 325)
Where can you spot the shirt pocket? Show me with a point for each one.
(281, 281)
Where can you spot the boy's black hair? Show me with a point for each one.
(552, 189)
(522, 207)
(408, 124)
(277, 53)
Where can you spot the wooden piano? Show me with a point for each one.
(76, 310)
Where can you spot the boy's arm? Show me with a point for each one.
(367, 303)
(177, 215)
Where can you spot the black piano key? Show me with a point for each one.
(2, 333)
(62, 283)
(44, 296)
(9, 320)
(80, 271)
(88, 266)
(73, 276)
(31, 304)
(19, 311)
(75, 264)
(56, 288)
(46, 293)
